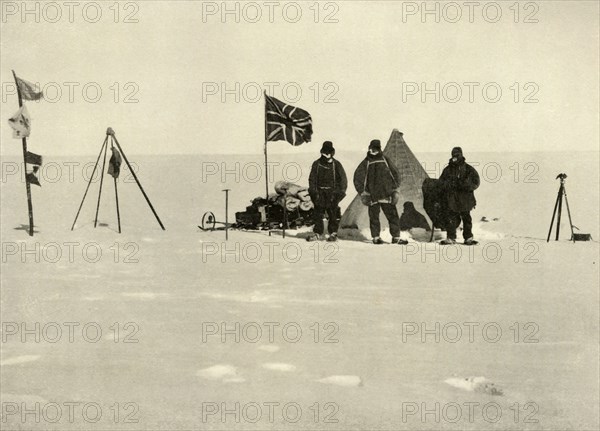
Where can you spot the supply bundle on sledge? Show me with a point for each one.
(262, 212)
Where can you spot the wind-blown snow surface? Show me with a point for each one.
(359, 362)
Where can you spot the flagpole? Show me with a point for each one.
(27, 185)
(266, 165)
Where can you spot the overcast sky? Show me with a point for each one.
(369, 62)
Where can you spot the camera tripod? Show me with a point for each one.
(558, 205)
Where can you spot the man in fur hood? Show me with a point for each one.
(327, 184)
(459, 180)
(377, 180)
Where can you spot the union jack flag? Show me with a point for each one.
(28, 90)
(287, 122)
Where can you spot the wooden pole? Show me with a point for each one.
(89, 182)
(266, 167)
(265, 151)
(266, 174)
(101, 182)
(24, 142)
(226, 214)
(117, 199)
(116, 195)
(138, 182)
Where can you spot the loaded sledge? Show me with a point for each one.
(289, 208)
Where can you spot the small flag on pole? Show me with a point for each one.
(20, 123)
(114, 164)
(32, 158)
(32, 177)
(28, 90)
(287, 123)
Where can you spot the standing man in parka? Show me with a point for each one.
(377, 180)
(327, 184)
(459, 180)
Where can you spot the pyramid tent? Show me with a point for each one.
(355, 221)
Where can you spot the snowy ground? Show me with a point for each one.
(363, 359)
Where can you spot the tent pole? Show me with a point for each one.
(138, 182)
(89, 183)
(24, 142)
(101, 182)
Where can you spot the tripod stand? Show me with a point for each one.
(110, 135)
(561, 192)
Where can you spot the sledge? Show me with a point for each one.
(290, 208)
(209, 224)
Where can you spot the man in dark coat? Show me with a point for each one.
(327, 184)
(459, 180)
(435, 202)
(377, 180)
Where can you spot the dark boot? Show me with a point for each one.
(448, 241)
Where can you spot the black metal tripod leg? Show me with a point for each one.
(569, 213)
(553, 216)
(559, 212)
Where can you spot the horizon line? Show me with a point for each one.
(302, 152)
